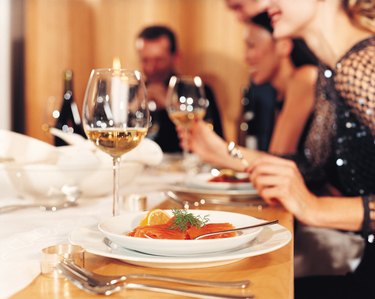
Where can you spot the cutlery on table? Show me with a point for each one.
(110, 289)
(235, 229)
(103, 280)
(43, 207)
(187, 201)
(66, 197)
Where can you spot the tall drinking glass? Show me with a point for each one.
(115, 115)
(186, 103)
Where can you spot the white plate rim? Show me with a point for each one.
(182, 187)
(278, 237)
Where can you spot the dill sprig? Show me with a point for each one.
(183, 220)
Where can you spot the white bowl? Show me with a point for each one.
(116, 228)
(40, 181)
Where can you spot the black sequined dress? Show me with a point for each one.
(340, 147)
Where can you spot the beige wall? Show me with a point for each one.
(85, 34)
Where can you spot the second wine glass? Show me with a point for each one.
(115, 115)
(186, 103)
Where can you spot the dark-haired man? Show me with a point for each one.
(158, 54)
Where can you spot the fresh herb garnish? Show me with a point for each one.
(183, 220)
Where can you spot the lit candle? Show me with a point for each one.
(119, 94)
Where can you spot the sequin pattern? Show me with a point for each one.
(340, 146)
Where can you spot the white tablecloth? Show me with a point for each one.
(24, 233)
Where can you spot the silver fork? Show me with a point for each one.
(103, 280)
(110, 289)
(235, 229)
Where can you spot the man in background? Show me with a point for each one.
(158, 54)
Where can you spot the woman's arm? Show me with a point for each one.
(211, 148)
(298, 105)
(279, 181)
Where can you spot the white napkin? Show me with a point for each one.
(35, 168)
(25, 233)
(25, 149)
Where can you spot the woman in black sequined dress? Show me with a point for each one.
(339, 151)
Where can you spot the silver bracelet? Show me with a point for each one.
(235, 152)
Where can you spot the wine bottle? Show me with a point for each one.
(69, 120)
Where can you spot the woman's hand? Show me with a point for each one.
(204, 142)
(279, 181)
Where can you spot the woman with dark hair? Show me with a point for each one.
(288, 66)
(271, 61)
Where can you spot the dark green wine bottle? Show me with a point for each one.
(69, 120)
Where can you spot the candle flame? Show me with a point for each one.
(116, 63)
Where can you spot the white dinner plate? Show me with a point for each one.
(202, 181)
(116, 228)
(185, 190)
(269, 239)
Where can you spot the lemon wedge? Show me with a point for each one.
(154, 217)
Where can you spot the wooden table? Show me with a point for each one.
(271, 274)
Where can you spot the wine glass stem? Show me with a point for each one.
(116, 195)
(185, 152)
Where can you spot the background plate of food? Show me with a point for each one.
(221, 180)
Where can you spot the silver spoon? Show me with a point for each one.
(235, 229)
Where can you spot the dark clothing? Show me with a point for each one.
(166, 135)
(259, 110)
(357, 285)
(340, 150)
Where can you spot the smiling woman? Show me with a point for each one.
(87, 34)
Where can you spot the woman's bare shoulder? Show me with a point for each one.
(302, 84)
(305, 73)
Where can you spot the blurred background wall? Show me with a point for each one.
(86, 34)
(5, 42)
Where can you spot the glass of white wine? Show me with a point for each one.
(115, 115)
(186, 103)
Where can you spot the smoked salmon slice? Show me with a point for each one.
(166, 231)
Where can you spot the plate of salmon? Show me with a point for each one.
(172, 232)
(270, 238)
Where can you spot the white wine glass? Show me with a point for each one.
(115, 115)
(186, 103)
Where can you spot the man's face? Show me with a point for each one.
(156, 59)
